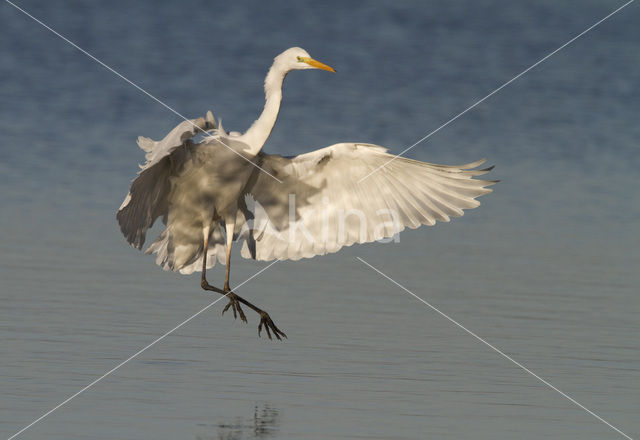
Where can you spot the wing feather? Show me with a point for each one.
(331, 209)
(147, 198)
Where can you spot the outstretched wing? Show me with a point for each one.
(147, 198)
(320, 205)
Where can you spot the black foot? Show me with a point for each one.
(269, 326)
(235, 306)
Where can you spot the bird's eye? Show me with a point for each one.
(300, 59)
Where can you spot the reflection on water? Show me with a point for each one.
(264, 424)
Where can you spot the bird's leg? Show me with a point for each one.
(235, 300)
(227, 269)
(203, 280)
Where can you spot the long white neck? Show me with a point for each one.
(260, 130)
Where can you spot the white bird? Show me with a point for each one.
(224, 188)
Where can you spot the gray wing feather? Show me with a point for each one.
(146, 201)
(147, 198)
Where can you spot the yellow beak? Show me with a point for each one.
(318, 64)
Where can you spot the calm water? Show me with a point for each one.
(546, 269)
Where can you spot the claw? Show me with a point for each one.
(235, 306)
(226, 308)
(269, 327)
(241, 313)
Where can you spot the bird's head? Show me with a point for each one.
(297, 58)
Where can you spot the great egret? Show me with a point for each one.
(226, 182)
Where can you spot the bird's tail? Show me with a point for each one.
(187, 257)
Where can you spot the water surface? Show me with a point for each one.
(546, 269)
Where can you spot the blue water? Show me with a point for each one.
(546, 269)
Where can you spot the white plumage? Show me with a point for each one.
(333, 210)
(224, 187)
